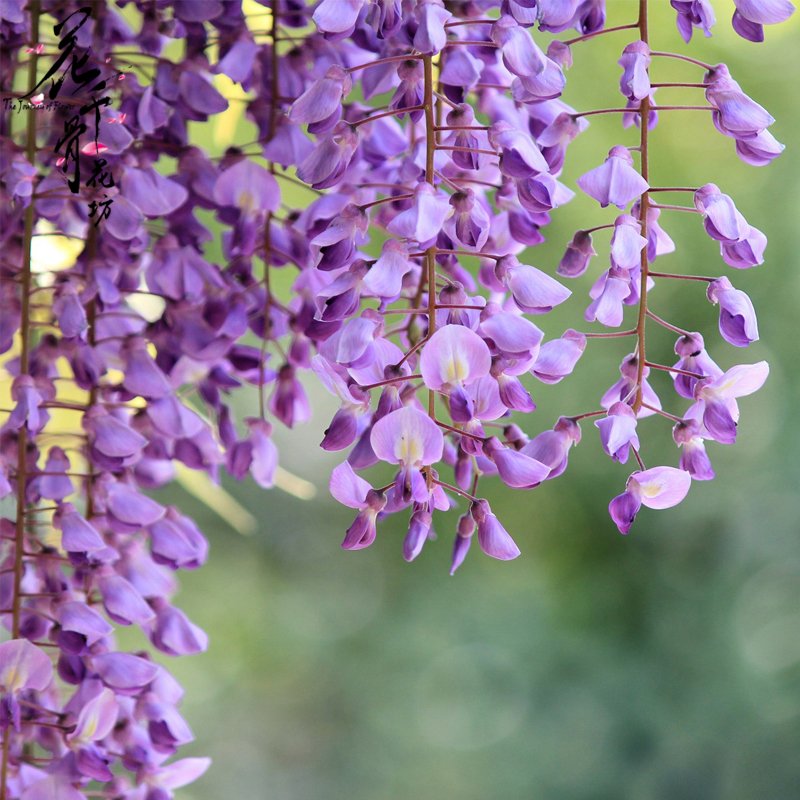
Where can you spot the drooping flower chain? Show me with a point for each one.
(461, 164)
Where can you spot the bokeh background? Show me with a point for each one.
(664, 665)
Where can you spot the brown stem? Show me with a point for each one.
(600, 33)
(456, 490)
(395, 113)
(665, 368)
(681, 277)
(666, 325)
(399, 379)
(644, 205)
(633, 332)
(681, 58)
(430, 177)
(389, 60)
(590, 414)
(24, 369)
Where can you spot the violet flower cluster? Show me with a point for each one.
(433, 138)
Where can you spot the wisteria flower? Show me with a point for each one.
(615, 182)
(717, 398)
(659, 487)
(737, 317)
(452, 359)
(410, 438)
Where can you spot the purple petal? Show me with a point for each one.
(24, 666)
(661, 487)
(347, 487)
(454, 356)
(408, 437)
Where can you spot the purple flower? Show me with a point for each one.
(694, 14)
(635, 82)
(759, 150)
(533, 291)
(492, 536)
(625, 389)
(79, 539)
(162, 780)
(557, 358)
(618, 432)
(576, 259)
(423, 221)
(248, 187)
(430, 35)
(717, 398)
(626, 242)
(95, 721)
(453, 358)
(608, 307)
(57, 485)
(747, 252)
(519, 156)
(326, 164)
(519, 52)
(337, 17)
(615, 182)
(385, 277)
(354, 492)
(721, 218)
(464, 530)
(694, 458)
(693, 358)
(289, 402)
(551, 448)
(737, 317)
(320, 106)
(22, 666)
(512, 336)
(516, 469)
(469, 225)
(659, 487)
(751, 16)
(410, 438)
(173, 633)
(735, 114)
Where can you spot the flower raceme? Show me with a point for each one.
(412, 299)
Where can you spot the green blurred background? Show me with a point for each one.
(664, 665)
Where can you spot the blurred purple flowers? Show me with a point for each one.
(404, 273)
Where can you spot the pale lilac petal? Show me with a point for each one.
(337, 16)
(96, 719)
(348, 488)
(615, 182)
(520, 53)
(249, 187)
(124, 671)
(454, 356)
(534, 291)
(24, 666)
(741, 380)
(54, 787)
(557, 358)
(122, 601)
(519, 470)
(180, 773)
(385, 276)
(408, 437)
(128, 506)
(765, 12)
(152, 193)
(512, 334)
(661, 487)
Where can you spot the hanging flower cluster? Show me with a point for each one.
(433, 139)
